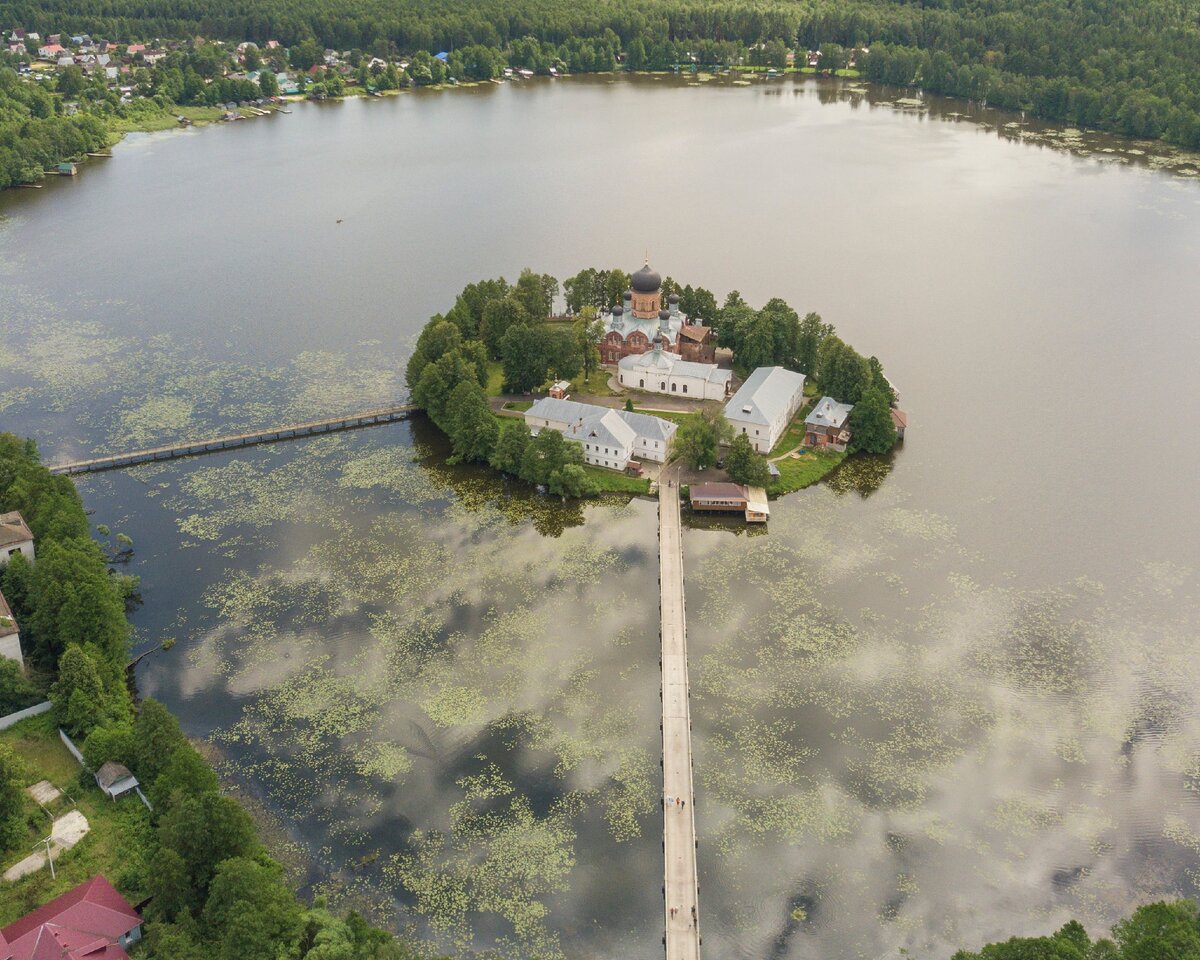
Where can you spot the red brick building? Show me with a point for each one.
(641, 320)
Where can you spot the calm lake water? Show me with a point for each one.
(941, 700)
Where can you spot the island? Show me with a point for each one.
(639, 374)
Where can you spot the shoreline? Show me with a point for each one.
(1082, 142)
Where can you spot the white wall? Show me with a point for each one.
(26, 548)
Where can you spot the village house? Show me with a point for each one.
(825, 428)
(765, 404)
(115, 779)
(15, 537)
(899, 421)
(610, 438)
(90, 922)
(50, 51)
(10, 634)
(751, 502)
(641, 321)
(661, 371)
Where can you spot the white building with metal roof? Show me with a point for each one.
(610, 438)
(765, 404)
(661, 371)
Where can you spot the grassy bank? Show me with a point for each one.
(609, 481)
(117, 845)
(796, 474)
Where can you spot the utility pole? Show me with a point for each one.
(49, 855)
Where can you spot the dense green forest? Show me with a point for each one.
(1131, 66)
(1156, 931)
(216, 892)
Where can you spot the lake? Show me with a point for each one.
(942, 699)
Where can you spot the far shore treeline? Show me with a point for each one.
(500, 338)
(216, 893)
(1128, 66)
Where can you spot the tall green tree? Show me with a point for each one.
(472, 427)
(249, 913)
(509, 452)
(500, 316)
(699, 438)
(80, 700)
(536, 293)
(745, 465)
(588, 332)
(871, 426)
(526, 353)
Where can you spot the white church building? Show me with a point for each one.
(660, 371)
(610, 438)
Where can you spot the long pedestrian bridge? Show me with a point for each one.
(233, 441)
(681, 886)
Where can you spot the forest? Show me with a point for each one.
(1130, 66)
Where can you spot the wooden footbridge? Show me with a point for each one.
(681, 885)
(364, 418)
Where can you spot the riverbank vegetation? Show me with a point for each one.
(1155, 931)
(216, 892)
(1129, 66)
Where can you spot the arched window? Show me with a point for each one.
(642, 383)
(662, 386)
(685, 388)
(673, 388)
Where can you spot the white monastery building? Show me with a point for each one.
(15, 537)
(660, 371)
(765, 404)
(610, 438)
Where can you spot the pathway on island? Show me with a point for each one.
(681, 901)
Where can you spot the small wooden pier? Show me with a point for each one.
(364, 418)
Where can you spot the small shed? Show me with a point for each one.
(560, 389)
(115, 779)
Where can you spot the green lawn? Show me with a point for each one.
(675, 416)
(495, 382)
(803, 472)
(610, 481)
(117, 844)
(521, 405)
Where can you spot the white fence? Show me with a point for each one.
(15, 718)
(70, 746)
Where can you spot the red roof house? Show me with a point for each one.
(91, 922)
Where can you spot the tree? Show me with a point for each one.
(499, 316)
(1160, 931)
(871, 426)
(71, 82)
(186, 774)
(570, 480)
(526, 353)
(12, 798)
(80, 701)
(812, 332)
(250, 914)
(156, 736)
(745, 465)
(202, 831)
(536, 293)
(588, 331)
(566, 354)
(698, 439)
(307, 53)
(509, 451)
(547, 454)
(113, 741)
(17, 691)
(268, 85)
(472, 428)
(628, 405)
